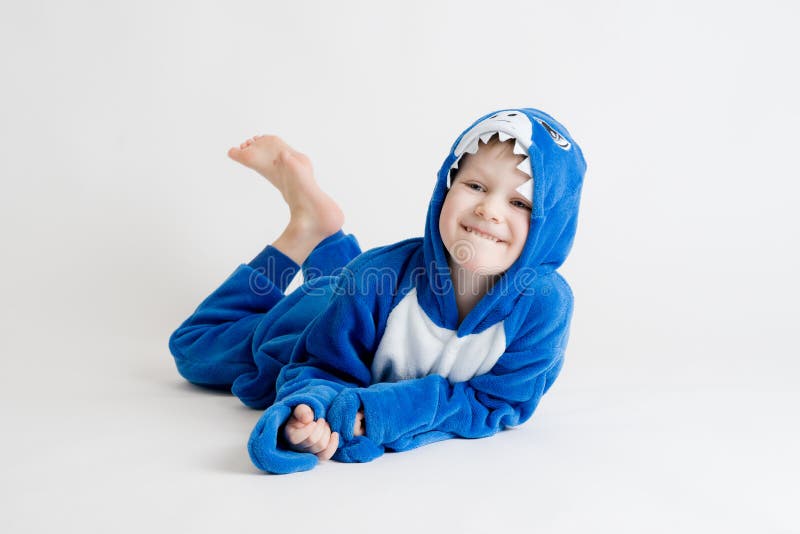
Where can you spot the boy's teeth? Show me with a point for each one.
(479, 234)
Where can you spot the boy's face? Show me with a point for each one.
(484, 220)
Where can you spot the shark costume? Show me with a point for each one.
(379, 330)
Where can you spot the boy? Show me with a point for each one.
(456, 334)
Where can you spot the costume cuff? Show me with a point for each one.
(276, 266)
(342, 418)
(265, 450)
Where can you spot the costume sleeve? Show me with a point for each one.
(410, 413)
(329, 357)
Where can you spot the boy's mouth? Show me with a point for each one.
(482, 235)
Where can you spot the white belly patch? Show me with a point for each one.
(413, 346)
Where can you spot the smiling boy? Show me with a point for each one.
(485, 219)
(463, 338)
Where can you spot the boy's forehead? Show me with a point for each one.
(490, 157)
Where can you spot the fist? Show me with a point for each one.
(303, 434)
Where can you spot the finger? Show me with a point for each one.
(358, 429)
(330, 450)
(316, 434)
(322, 442)
(304, 413)
(296, 436)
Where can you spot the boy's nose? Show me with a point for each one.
(488, 211)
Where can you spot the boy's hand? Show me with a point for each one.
(360, 426)
(306, 435)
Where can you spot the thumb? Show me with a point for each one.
(304, 413)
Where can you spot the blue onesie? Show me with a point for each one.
(379, 330)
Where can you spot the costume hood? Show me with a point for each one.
(557, 167)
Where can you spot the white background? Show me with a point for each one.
(677, 409)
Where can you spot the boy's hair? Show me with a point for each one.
(508, 145)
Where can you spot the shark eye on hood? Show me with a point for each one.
(557, 137)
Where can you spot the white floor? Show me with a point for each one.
(120, 443)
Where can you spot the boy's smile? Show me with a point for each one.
(476, 230)
(485, 219)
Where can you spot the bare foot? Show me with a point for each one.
(269, 155)
(314, 214)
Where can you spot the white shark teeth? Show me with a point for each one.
(472, 147)
(525, 166)
(453, 166)
(485, 137)
(526, 190)
(503, 136)
(519, 149)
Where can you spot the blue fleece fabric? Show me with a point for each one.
(379, 330)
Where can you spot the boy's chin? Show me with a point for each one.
(475, 267)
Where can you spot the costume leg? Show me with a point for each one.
(276, 335)
(330, 255)
(214, 345)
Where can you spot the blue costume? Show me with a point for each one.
(379, 330)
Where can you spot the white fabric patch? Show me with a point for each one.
(413, 346)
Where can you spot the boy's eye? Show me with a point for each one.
(520, 204)
(475, 187)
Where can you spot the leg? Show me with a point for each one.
(213, 346)
(312, 238)
(219, 342)
(313, 215)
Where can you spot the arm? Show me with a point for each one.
(407, 414)
(329, 357)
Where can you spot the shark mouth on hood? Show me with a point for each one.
(506, 124)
